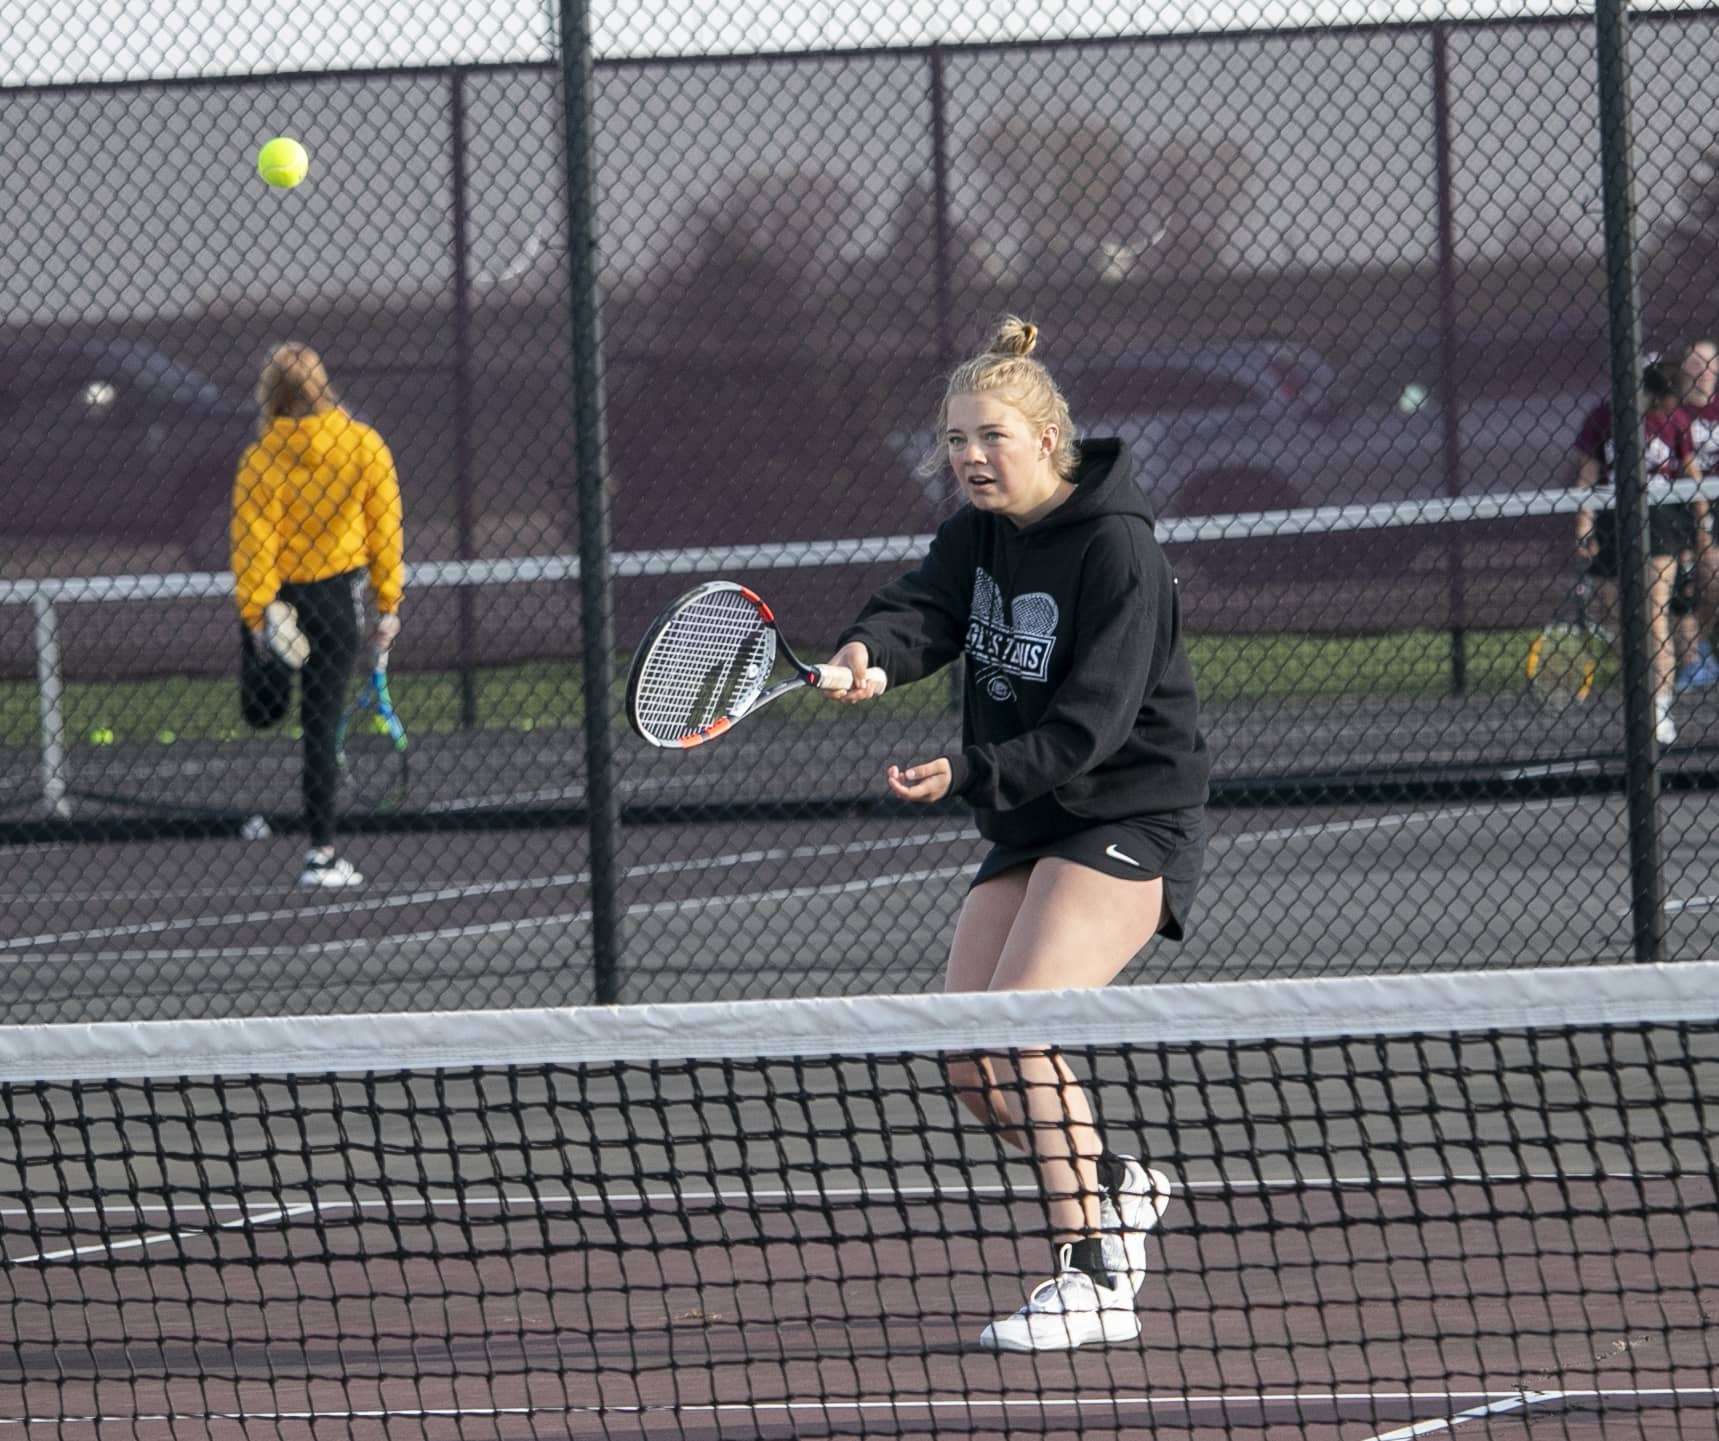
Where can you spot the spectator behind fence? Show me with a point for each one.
(1700, 381)
(316, 505)
(1668, 454)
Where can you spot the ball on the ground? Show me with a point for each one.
(101, 736)
(255, 828)
(283, 162)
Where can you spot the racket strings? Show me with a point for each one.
(712, 659)
(1565, 661)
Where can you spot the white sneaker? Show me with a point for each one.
(1664, 728)
(333, 872)
(1138, 1206)
(281, 631)
(1067, 1311)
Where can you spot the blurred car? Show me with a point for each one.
(1521, 396)
(1244, 426)
(1213, 428)
(113, 440)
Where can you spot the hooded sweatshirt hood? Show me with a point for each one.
(316, 497)
(1104, 485)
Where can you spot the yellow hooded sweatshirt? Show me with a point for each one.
(315, 498)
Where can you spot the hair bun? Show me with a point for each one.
(1014, 336)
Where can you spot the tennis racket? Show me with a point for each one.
(1566, 657)
(372, 743)
(706, 661)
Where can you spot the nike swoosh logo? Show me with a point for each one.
(1117, 855)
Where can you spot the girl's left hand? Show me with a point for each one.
(928, 781)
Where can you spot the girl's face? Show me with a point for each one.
(1701, 373)
(1002, 463)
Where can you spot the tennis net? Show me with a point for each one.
(1401, 1205)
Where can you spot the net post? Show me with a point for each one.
(591, 468)
(1647, 899)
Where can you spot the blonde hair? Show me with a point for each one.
(1006, 369)
(294, 384)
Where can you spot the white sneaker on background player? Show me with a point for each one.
(1065, 1312)
(1664, 727)
(328, 872)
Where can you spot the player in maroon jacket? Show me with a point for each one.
(1700, 380)
(1668, 454)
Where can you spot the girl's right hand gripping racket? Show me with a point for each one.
(706, 662)
(371, 744)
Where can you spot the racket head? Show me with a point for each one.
(1563, 664)
(703, 663)
(374, 764)
(1565, 659)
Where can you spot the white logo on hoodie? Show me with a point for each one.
(1009, 638)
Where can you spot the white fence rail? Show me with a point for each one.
(46, 596)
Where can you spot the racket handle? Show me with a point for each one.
(839, 677)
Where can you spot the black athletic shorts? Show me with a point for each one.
(1170, 845)
(1670, 531)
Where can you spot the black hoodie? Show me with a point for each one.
(1078, 702)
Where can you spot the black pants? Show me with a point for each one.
(329, 619)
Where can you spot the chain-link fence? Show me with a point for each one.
(1344, 291)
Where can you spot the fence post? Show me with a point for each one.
(49, 697)
(591, 462)
(467, 600)
(940, 205)
(1641, 748)
(1449, 378)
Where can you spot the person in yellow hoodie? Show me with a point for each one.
(316, 506)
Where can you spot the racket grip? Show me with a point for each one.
(839, 677)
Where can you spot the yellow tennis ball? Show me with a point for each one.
(283, 162)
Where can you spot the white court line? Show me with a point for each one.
(651, 908)
(502, 1200)
(1337, 1401)
(538, 1202)
(479, 889)
(1219, 843)
(1312, 829)
(509, 928)
(464, 890)
(137, 1243)
(1694, 903)
(1522, 1401)
(502, 887)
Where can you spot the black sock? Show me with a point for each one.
(1111, 1173)
(1087, 1254)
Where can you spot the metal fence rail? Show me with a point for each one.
(47, 597)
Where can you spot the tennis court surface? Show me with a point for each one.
(1465, 1205)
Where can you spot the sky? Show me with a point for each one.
(65, 41)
